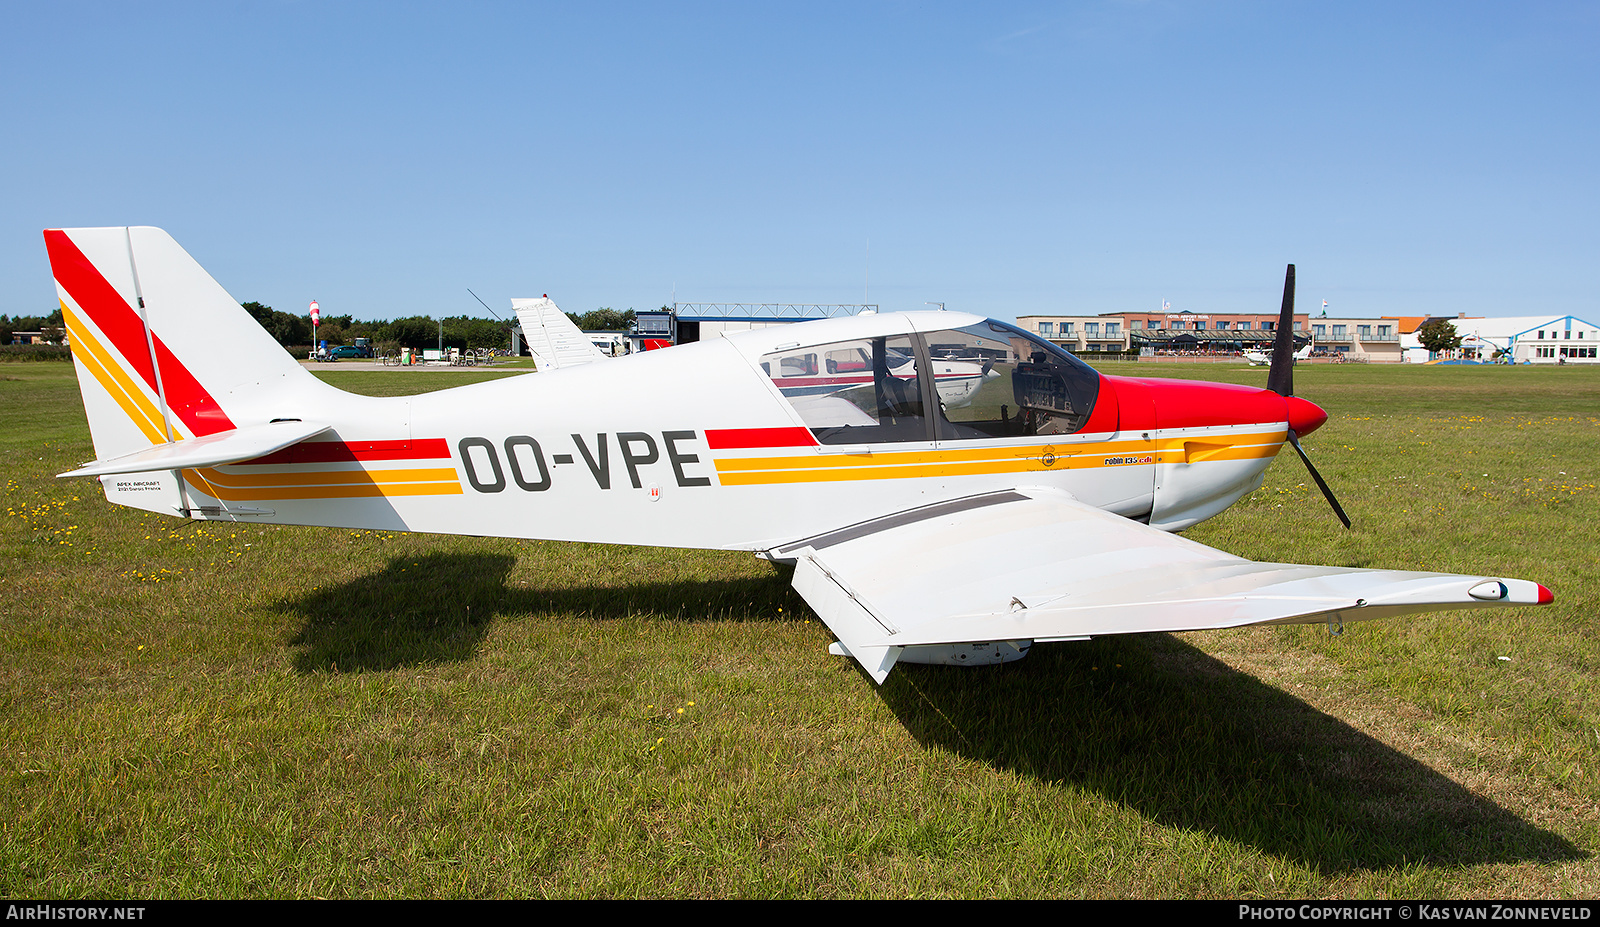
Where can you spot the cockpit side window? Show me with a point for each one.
(997, 381)
(854, 392)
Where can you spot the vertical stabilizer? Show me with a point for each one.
(163, 354)
(552, 337)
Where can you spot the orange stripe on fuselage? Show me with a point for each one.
(324, 484)
(881, 465)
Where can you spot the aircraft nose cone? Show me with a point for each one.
(1304, 417)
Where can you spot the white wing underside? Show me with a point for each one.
(1037, 565)
(552, 338)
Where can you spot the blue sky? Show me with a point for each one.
(1004, 159)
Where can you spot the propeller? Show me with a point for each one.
(1280, 379)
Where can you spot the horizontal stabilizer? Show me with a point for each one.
(223, 447)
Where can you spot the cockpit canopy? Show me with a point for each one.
(984, 381)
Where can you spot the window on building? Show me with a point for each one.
(1318, 330)
(1066, 329)
(1365, 331)
(1113, 329)
(1091, 329)
(1047, 328)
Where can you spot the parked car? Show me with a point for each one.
(346, 350)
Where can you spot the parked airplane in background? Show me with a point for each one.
(1259, 358)
(1039, 508)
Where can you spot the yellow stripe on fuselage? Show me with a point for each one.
(327, 477)
(325, 484)
(880, 465)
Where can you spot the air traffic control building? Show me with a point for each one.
(686, 322)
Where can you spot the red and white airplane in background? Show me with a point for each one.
(1037, 507)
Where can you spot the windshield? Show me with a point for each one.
(995, 380)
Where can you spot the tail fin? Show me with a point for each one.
(163, 353)
(551, 336)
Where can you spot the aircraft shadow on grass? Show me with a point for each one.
(436, 608)
(1146, 721)
(1187, 741)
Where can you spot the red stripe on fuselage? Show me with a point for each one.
(342, 452)
(723, 439)
(98, 299)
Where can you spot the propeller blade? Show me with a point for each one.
(1338, 509)
(1280, 376)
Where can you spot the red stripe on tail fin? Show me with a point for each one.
(100, 301)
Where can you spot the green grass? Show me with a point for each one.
(200, 710)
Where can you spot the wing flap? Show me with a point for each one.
(1036, 564)
(223, 447)
(846, 615)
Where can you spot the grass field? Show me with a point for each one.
(206, 710)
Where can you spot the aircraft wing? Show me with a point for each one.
(551, 336)
(1037, 565)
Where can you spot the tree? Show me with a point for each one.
(1438, 336)
(260, 313)
(604, 319)
(414, 332)
(288, 330)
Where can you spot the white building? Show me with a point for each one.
(1530, 339)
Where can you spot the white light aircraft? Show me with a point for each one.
(1262, 358)
(1040, 508)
